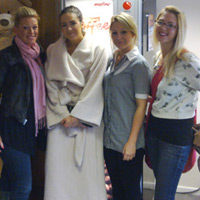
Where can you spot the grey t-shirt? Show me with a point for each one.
(128, 81)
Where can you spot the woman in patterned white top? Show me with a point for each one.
(174, 88)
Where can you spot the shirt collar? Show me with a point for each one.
(132, 53)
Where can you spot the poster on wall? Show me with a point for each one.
(96, 17)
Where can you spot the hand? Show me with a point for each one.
(196, 140)
(129, 151)
(70, 122)
(80, 125)
(149, 98)
(1, 144)
(197, 126)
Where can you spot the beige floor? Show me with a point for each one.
(148, 195)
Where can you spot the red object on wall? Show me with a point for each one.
(126, 5)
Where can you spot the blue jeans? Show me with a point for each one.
(125, 176)
(168, 161)
(16, 175)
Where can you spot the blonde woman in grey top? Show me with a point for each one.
(126, 87)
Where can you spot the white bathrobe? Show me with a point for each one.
(74, 159)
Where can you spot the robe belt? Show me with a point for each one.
(79, 145)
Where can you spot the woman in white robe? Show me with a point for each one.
(75, 68)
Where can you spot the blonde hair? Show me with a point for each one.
(128, 22)
(177, 51)
(24, 12)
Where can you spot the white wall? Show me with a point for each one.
(191, 8)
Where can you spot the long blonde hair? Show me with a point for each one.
(177, 51)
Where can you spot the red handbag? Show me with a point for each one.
(193, 154)
(188, 166)
(190, 161)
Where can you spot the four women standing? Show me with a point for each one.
(74, 75)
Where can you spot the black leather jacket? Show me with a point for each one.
(15, 83)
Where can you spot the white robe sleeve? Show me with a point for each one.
(56, 111)
(89, 108)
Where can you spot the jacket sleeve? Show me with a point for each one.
(3, 69)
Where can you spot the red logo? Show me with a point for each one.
(95, 22)
(102, 4)
(126, 5)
